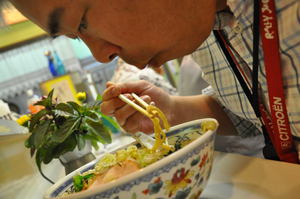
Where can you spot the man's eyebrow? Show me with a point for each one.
(54, 20)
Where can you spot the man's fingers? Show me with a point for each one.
(136, 87)
(138, 122)
(111, 92)
(114, 90)
(123, 113)
(109, 84)
(126, 111)
(109, 107)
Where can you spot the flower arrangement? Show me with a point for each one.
(60, 127)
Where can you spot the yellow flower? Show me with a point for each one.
(81, 96)
(22, 120)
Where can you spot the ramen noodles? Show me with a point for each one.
(125, 161)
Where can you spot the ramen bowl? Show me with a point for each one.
(182, 174)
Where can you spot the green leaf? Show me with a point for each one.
(47, 102)
(65, 108)
(80, 142)
(32, 151)
(68, 145)
(95, 144)
(48, 137)
(88, 176)
(99, 98)
(96, 105)
(75, 106)
(26, 124)
(90, 137)
(38, 161)
(110, 120)
(36, 118)
(98, 129)
(38, 134)
(78, 183)
(92, 115)
(50, 95)
(65, 130)
(48, 155)
(29, 142)
(60, 120)
(39, 157)
(26, 143)
(93, 139)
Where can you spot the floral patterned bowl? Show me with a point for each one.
(181, 175)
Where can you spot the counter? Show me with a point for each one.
(233, 176)
(241, 177)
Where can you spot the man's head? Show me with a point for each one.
(140, 31)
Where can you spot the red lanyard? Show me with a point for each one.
(279, 121)
(276, 123)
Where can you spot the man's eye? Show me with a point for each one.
(82, 26)
(83, 23)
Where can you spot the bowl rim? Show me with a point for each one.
(140, 172)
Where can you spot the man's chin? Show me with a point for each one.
(141, 66)
(153, 63)
(136, 64)
(156, 63)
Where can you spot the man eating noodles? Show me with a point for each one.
(248, 51)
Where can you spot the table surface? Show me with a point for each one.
(241, 177)
(233, 176)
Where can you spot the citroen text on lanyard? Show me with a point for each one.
(281, 136)
(277, 124)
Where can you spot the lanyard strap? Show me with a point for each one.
(277, 124)
(282, 136)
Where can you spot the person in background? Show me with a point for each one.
(190, 77)
(13, 107)
(9, 121)
(224, 38)
(126, 73)
(5, 113)
(192, 83)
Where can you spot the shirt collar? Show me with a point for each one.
(229, 18)
(223, 19)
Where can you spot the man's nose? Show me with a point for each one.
(103, 51)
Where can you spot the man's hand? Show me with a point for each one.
(131, 120)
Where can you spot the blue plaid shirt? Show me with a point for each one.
(237, 24)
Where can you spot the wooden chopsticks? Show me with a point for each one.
(136, 106)
(143, 139)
